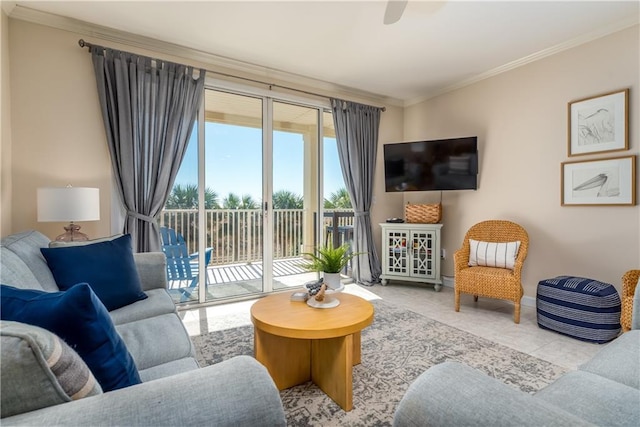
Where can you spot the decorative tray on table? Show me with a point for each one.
(328, 302)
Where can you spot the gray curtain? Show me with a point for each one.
(149, 107)
(357, 136)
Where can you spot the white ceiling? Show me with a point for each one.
(433, 48)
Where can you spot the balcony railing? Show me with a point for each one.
(236, 235)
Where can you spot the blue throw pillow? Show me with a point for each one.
(108, 267)
(81, 320)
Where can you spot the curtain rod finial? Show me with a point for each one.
(84, 44)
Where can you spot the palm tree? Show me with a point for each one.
(210, 199)
(186, 197)
(338, 200)
(183, 197)
(232, 201)
(248, 202)
(285, 199)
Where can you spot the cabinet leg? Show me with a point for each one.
(437, 287)
(384, 282)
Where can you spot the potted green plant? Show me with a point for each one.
(330, 261)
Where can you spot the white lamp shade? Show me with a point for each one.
(68, 204)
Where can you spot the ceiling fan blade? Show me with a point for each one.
(394, 11)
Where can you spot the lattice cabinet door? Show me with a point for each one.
(396, 252)
(411, 252)
(423, 254)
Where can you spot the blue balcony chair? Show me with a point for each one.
(182, 267)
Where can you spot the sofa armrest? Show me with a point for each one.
(453, 394)
(236, 392)
(152, 268)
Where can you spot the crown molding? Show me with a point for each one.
(8, 6)
(244, 69)
(577, 41)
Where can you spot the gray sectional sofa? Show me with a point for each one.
(174, 389)
(605, 391)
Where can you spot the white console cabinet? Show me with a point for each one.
(411, 252)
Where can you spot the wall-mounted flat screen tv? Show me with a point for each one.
(443, 164)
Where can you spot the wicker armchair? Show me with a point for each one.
(491, 282)
(629, 282)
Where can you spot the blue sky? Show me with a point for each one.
(234, 162)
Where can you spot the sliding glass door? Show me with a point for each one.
(234, 149)
(295, 196)
(256, 165)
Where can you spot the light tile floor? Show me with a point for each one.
(488, 318)
(491, 319)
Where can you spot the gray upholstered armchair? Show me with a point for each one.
(603, 391)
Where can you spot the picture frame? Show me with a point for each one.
(603, 182)
(599, 124)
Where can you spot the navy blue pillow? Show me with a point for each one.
(79, 318)
(108, 267)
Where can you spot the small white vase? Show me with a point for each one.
(332, 281)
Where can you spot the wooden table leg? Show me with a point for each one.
(288, 360)
(332, 368)
(357, 348)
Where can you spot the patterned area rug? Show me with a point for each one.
(396, 349)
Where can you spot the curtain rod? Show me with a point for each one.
(88, 45)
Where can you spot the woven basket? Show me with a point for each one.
(423, 214)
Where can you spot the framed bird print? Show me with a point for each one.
(607, 182)
(599, 124)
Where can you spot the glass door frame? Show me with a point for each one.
(267, 194)
(202, 290)
(268, 97)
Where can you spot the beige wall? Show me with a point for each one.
(385, 205)
(5, 142)
(58, 135)
(520, 118)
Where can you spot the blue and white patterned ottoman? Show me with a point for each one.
(580, 308)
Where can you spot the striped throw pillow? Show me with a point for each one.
(39, 370)
(490, 254)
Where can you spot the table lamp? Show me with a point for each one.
(71, 204)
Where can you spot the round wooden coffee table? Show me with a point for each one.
(298, 343)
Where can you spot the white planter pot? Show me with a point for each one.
(332, 281)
